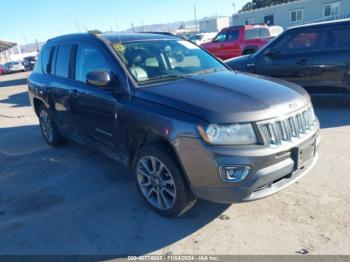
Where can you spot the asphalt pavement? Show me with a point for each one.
(73, 200)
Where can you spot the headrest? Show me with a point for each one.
(134, 57)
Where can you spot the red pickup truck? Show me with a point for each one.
(2, 70)
(238, 40)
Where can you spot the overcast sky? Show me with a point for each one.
(23, 20)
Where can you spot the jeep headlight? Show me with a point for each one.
(233, 134)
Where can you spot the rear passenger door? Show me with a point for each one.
(291, 56)
(333, 62)
(60, 84)
(256, 38)
(231, 46)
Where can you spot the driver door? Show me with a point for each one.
(94, 109)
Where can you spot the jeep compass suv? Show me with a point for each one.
(186, 125)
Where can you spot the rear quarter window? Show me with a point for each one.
(338, 38)
(42, 61)
(257, 33)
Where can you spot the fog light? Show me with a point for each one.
(234, 173)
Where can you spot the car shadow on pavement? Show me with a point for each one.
(15, 82)
(332, 111)
(17, 100)
(72, 200)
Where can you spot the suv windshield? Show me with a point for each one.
(165, 60)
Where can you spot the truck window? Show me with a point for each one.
(221, 37)
(233, 35)
(257, 33)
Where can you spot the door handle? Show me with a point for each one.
(303, 62)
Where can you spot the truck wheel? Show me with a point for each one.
(48, 128)
(161, 181)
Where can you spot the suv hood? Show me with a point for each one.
(228, 97)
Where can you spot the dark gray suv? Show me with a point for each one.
(186, 125)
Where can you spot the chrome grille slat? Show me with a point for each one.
(284, 130)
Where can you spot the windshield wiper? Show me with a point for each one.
(162, 77)
(167, 76)
(206, 71)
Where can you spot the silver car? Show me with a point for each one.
(13, 67)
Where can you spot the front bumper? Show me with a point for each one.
(272, 169)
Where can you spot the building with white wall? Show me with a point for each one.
(213, 24)
(295, 13)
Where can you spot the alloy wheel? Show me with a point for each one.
(46, 125)
(156, 182)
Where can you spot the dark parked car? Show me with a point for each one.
(29, 62)
(315, 56)
(184, 123)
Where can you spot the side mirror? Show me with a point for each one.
(98, 78)
(272, 53)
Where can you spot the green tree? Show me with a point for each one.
(256, 4)
(95, 32)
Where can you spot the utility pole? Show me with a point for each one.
(143, 25)
(195, 16)
(37, 45)
(25, 40)
(78, 26)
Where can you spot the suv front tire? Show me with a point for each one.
(161, 181)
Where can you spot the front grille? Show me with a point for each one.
(289, 128)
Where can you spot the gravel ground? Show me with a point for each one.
(73, 200)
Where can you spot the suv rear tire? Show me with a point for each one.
(161, 181)
(49, 128)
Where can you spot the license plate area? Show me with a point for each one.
(304, 153)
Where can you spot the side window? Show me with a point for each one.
(63, 60)
(338, 38)
(88, 59)
(299, 42)
(257, 33)
(42, 61)
(233, 35)
(221, 37)
(252, 34)
(264, 33)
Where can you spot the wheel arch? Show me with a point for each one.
(36, 104)
(137, 138)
